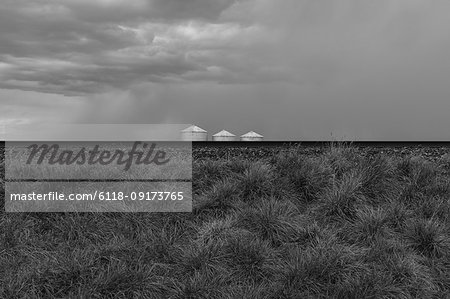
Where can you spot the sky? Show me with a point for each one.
(287, 69)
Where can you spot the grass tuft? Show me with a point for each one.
(220, 200)
(207, 172)
(307, 176)
(341, 201)
(378, 178)
(369, 226)
(251, 259)
(317, 271)
(428, 237)
(256, 182)
(274, 221)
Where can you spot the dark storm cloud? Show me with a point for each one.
(191, 9)
(90, 46)
(140, 10)
(66, 77)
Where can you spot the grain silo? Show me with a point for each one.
(223, 136)
(251, 136)
(194, 133)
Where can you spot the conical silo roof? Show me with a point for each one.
(224, 133)
(252, 134)
(194, 129)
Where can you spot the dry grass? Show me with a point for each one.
(337, 225)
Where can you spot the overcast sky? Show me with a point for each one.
(288, 69)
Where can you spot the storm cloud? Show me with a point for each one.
(291, 69)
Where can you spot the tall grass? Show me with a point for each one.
(342, 224)
(306, 176)
(275, 221)
(341, 201)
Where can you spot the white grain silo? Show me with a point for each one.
(251, 136)
(194, 133)
(223, 136)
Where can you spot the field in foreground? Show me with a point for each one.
(340, 222)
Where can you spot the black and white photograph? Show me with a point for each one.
(225, 149)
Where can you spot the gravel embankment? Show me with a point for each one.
(210, 152)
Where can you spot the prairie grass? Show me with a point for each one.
(339, 224)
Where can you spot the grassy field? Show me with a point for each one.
(334, 223)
